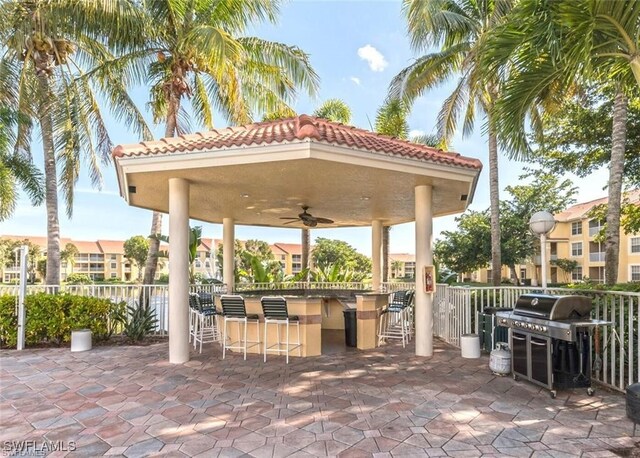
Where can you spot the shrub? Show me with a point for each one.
(52, 317)
(142, 321)
(78, 279)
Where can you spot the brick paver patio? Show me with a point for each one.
(130, 401)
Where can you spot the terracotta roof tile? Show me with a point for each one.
(111, 246)
(300, 128)
(580, 210)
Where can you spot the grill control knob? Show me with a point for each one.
(544, 328)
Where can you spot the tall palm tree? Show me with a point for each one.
(197, 51)
(16, 171)
(391, 120)
(47, 47)
(599, 43)
(458, 28)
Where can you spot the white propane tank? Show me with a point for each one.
(500, 359)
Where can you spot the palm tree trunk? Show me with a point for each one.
(616, 168)
(494, 195)
(514, 272)
(156, 220)
(51, 185)
(306, 236)
(386, 232)
(154, 246)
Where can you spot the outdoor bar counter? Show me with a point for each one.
(316, 312)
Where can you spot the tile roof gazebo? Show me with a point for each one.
(258, 173)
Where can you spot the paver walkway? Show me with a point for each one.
(130, 401)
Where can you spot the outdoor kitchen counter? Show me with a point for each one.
(317, 312)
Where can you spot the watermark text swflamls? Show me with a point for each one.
(38, 448)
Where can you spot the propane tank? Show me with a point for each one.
(500, 359)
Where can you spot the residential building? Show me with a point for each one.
(574, 239)
(401, 266)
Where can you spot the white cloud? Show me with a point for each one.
(416, 133)
(373, 57)
(355, 80)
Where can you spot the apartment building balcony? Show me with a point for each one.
(597, 256)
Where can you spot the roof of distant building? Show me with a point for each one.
(580, 210)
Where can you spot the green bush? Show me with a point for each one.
(78, 279)
(142, 321)
(52, 317)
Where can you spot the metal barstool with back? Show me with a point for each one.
(276, 312)
(204, 320)
(396, 320)
(234, 311)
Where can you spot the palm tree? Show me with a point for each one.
(335, 110)
(69, 254)
(16, 171)
(599, 43)
(196, 51)
(47, 46)
(458, 27)
(391, 120)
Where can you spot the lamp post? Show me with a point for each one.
(541, 223)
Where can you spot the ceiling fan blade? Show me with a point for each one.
(289, 217)
(290, 222)
(324, 220)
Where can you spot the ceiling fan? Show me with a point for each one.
(307, 218)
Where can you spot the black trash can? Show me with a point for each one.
(350, 328)
(490, 333)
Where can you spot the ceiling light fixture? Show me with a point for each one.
(365, 198)
(244, 195)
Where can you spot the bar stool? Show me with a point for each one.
(234, 310)
(193, 315)
(206, 327)
(396, 320)
(275, 312)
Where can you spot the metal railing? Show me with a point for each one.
(454, 312)
(597, 256)
(455, 309)
(156, 296)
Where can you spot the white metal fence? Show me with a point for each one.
(156, 296)
(455, 310)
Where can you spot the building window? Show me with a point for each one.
(595, 226)
(114, 275)
(113, 257)
(198, 263)
(207, 263)
(576, 274)
(635, 273)
(576, 228)
(114, 265)
(523, 273)
(576, 249)
(63, 264)
(635, 244)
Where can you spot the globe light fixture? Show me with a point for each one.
(541, 223)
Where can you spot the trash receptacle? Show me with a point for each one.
(350, 328)
(490, 334)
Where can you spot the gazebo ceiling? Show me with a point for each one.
(261, 172)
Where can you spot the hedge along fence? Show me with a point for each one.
(52, 317)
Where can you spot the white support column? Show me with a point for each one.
(228, 250)
(424, 257)
(376, 254)
(178, 270)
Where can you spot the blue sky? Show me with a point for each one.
(356, 47)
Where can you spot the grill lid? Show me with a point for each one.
(553, 307)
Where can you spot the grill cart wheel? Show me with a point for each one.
(591, 391)
(553, 394)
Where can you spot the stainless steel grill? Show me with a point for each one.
(550, 339)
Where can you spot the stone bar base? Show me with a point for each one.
(368, 307)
